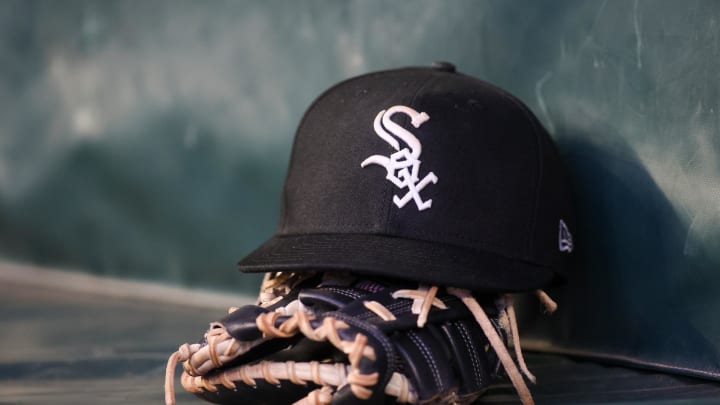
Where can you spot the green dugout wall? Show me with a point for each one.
(148, 140)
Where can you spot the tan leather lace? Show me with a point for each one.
(496, 343)
(379, 310)
(221, 348)
(327, 375)
(276, 285)
(320, 396)
(327, 331)
(423, 300)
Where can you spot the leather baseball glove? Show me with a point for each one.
(325, 338)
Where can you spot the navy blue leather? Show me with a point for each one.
(449, 358)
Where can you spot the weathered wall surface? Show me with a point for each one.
(149, 140)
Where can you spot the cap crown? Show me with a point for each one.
(427, 174)
(486, 173)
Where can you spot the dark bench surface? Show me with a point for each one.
(69, 348)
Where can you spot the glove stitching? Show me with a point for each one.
(396, 308)
(474, 355)
(426, 354)
(349, 294)
(350, 320)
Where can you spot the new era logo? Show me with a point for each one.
(565, 239)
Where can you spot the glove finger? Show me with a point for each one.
(353, 342)
(262, 393)
(473, 362)
(424, 360)
(229, 338)
(446, 360)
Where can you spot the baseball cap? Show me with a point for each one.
(426, 174)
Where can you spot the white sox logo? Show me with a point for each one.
(402, 166)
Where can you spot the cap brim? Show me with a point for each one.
(380, 255)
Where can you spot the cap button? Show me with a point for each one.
(443, 66)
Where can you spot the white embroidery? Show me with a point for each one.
(565, 239)
(402, 166)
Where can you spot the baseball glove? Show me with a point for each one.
(339, 339)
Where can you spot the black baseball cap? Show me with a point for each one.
(426, 174)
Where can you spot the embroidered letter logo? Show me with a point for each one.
(565, 239)
(403, 166)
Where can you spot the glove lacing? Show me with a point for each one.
(276, 285)
(496, 342)
(424, 299)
